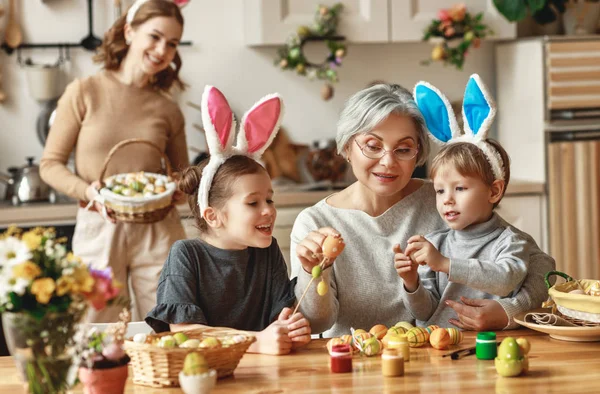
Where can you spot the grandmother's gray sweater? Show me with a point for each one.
(365, 288)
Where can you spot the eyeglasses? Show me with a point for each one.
(377, 152)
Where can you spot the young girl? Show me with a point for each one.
(480, 255)
(235, 275)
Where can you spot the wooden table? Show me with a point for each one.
(555, 366)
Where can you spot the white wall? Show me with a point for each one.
(218, 57)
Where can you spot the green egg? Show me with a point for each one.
(509, 350)
(316, 271)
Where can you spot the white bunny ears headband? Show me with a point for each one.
(478, 111)
(258, 128)
(138, 3)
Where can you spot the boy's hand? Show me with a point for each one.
(309, 249)
(274, 339)
(423, 252)
(406, 269)
(298, 326)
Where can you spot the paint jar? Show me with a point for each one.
(400, 342)
(392, 363)
(340, 359)
(485, 346)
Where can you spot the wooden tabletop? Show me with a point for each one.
(555, 366)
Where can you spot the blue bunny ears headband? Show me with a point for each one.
(478, 111)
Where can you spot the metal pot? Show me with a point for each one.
(25, 185)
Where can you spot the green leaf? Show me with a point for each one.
(536, 5)
(513, 10)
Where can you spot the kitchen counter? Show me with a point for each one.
(64, 213)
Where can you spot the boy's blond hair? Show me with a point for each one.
(469, 160)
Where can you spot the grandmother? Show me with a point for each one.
(382, 134)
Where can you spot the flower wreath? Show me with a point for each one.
(453, 34)
(291, 56)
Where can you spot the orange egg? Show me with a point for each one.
(334, 341)
(378, 331)
(333, 246)
(440, 339)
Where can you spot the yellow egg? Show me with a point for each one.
(456, 336)
(595, 289)
(404, 324)
(322, 288)
(417, 337)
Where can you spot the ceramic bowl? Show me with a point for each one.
(198, 384)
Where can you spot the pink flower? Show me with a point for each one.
(449, 32)
(104, 289)
(443, 15)
(457, 13)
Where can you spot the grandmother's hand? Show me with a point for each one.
(309, 249)
(478, 314)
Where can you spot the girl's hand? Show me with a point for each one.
(310, 248)
(298, 326)
(406, 269)
(90, 193)
(273, 340)
(478, 314)
(423, 252)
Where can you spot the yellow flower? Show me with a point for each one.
(32, 240)
(26, 270)
(64, 284)
(43, 289)
(82, 281)
(71, 258)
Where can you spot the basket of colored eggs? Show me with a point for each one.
(380, 337)
(138, 197)
(576, 299)
(157, 359)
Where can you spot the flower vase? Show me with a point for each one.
(104, 381)
(41, 347)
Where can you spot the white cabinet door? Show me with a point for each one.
(409, 18)
(270, 22)
(526, 214)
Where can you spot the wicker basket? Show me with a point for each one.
(138, 209)
(581, 307)
(159, 367)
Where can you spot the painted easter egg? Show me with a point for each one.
(322, 288)
(371, 347)
(334, 341)
(378, 331)
(456, 335)
(440, 339)
(347, 339)
(210, 343)
(595, 289)
(404, 324)
(333, 246)
(417, 337)
(431, 328)
(396, 330)
(360, 338)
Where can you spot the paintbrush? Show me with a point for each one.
(458, 354)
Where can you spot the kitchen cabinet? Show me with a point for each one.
(408, 19)
(270, 22)
(548, 95)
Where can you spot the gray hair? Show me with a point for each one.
(371, 106)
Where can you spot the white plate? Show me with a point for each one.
(573, 334)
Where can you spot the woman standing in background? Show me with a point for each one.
(128, 99)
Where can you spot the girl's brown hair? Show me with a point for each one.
(469, 160)
(114, 48)
(221, 188)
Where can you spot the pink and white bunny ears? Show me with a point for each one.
(258, 128)
(478, 111)
(138, 3)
